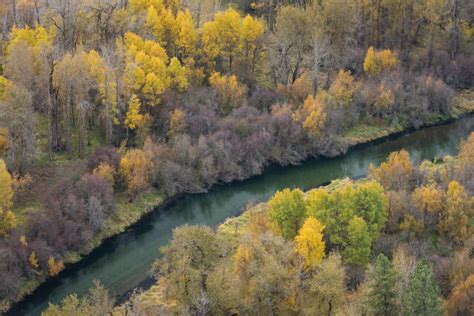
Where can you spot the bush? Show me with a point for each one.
(107, 155)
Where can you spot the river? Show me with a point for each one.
(122, 263)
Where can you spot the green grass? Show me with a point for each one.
(364, 132)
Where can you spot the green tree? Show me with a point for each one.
(381, 298)
(421, 295)
(358, 244)
(187, 261)
(286, 210)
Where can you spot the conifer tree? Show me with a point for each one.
(421, 295)
(382, 294)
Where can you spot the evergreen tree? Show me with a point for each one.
(381, 298)
(421, 295)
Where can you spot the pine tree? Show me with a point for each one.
(421, 295)
(381, 298)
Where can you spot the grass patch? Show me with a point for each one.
(366, 132)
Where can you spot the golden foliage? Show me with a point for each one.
(395, 173)
(105, 171)
(343, 88)
(461, 299)
(33, 259)
(133, 117)
(428, 199)
(309, 242)
(177, 123)
(55, 266)
(376, 62)
(136, 167)
(315, 114)
(454, 221)
(229, 91)
(230, 36)
(5, 142)
(23, 241)
(7, 218)
(242, 260)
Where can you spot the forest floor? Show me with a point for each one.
(128, 213)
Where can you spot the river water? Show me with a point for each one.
(122, 263)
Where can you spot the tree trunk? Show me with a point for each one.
(14, 11)
(455, 28)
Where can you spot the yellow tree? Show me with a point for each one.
(163, 26)
(177, 75)
(136, 168)
(454, 221)
(461, 299)
(228, 89)
(376, 62)
(343, 88)
(187, 37)
(106, 85)
(7, 218)
(428, 199)
(251, 42)
(316, 115)
(177, 123)
(55, 266)
(133, 118)
(221, 37)
(147, 71)
(242, 260)
(395, 173)
(309, 242)
(26, 58)
(3, 87)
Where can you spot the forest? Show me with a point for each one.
(110, 107)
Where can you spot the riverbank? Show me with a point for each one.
(144, 204)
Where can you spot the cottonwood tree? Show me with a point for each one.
(286, 210)
(309, 242)
(324, 291)
(18, 117)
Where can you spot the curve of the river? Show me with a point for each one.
(123, 262)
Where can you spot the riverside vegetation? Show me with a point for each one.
(109, 107)
(398, 242)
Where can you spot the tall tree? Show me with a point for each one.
(309, 242)
(454, 221)
(421, 296)
(381, 297)
(326, 288)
